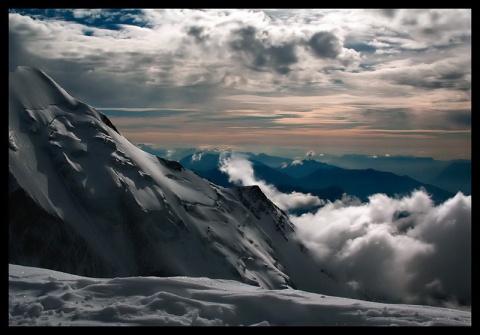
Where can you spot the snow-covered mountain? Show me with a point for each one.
(84, 200)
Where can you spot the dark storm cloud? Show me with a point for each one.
(337, 81)
(325, 45)
(431, 82)
(443, 74)
(259, 56)
(389, 12)
(248, 43)
(454, 74)
(197, 33)
(282, 56)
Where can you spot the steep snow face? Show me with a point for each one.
(87, 201)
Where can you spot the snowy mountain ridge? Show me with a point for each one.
(86, 201)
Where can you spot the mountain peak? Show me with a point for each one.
(38, 90)
(100, 206)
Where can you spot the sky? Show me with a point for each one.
(41, 297)
(279, 81)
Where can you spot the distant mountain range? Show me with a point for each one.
(309, 176)
(451, 176)
(456, 176)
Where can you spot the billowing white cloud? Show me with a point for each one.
(244, 48)
(240, 171)
(399, 249)
(406, 249)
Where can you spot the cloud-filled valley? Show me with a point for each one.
(397, 249)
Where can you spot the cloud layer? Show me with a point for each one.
(402, 249)
(345, 79)
(405, 250)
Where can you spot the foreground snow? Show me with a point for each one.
(40, 297)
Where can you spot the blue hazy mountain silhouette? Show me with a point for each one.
(457, 176)
(321, 179)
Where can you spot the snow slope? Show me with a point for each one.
(86, 201)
